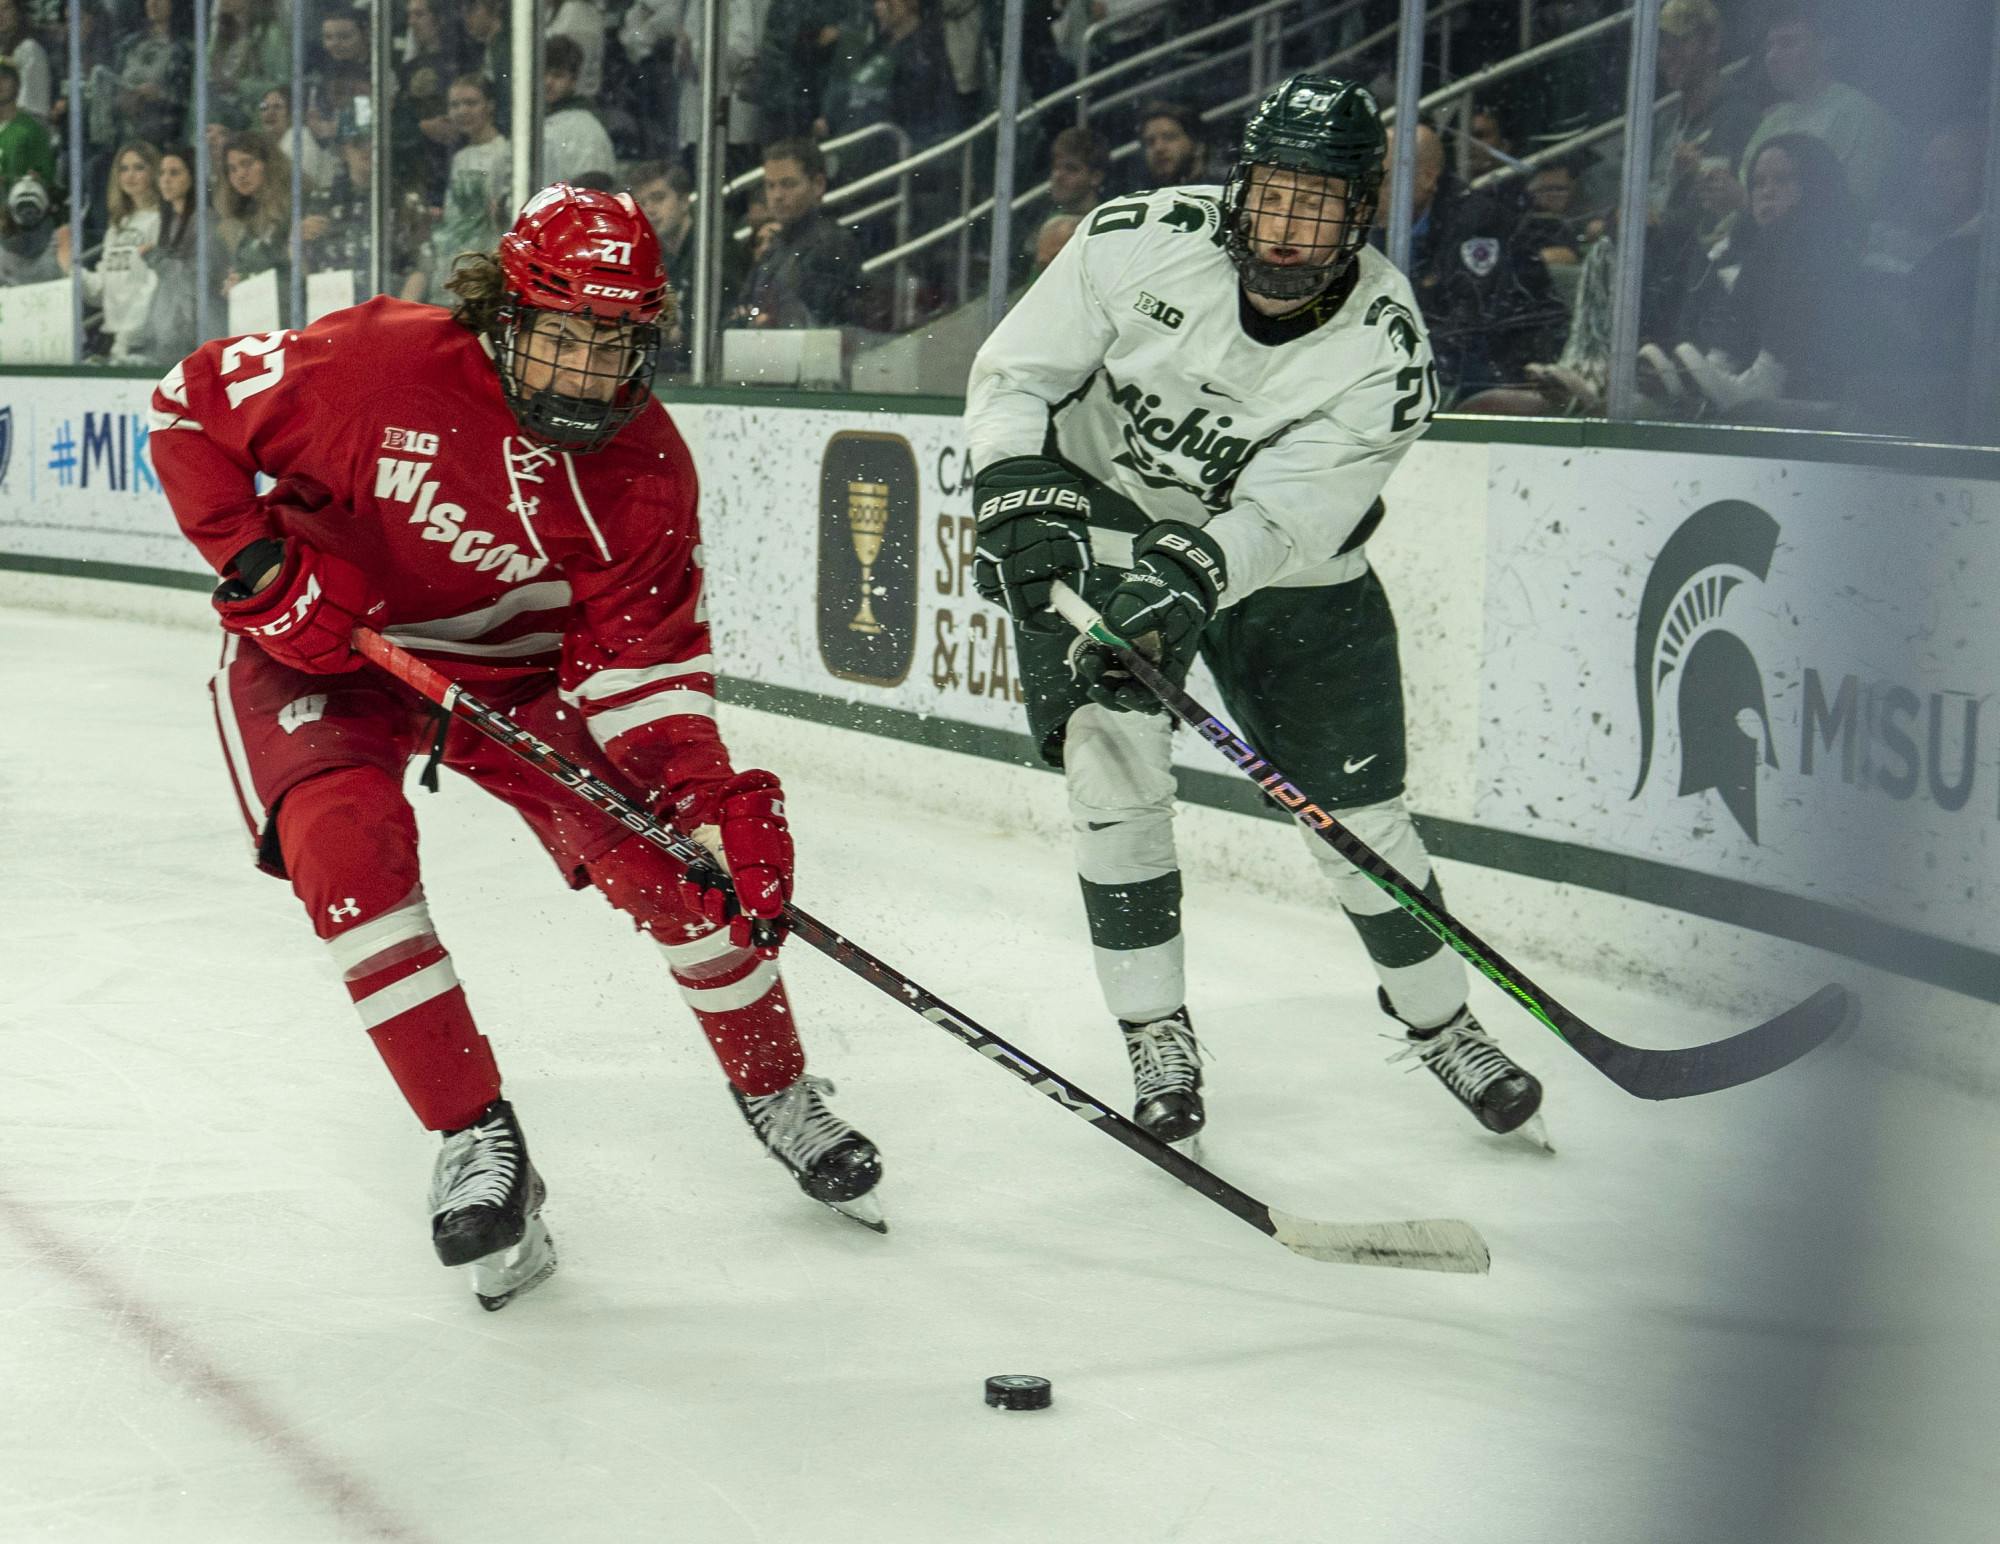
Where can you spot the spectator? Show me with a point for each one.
(1486, 297)
(487, 36)
(1487, 133)
(1863, 137)
(905, 80)
(253, 208)
(249, 52)
(1772, 317)
(156, 75)
(422, 133)
(477, 195)
(122, 282)
(1928, 267)
(665, 194)
(170, 329)
(1078, 166)
(335, 230)
(342, 75)
(316, 163)
(810, 274)
(1052, 236)
(968, 46)
(100, 96)
(1699, 140)
(1554, 223)
(27, 234)
(34, 81)
(25, 147)
(573, 139)
(1171, 138)
(583, 23)
(806, 44)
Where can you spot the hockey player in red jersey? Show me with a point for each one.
(495, 489)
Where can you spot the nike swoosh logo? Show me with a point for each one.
(1216, 392)
(1103, 825)
(1356, 766)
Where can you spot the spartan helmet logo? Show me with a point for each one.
(1683, 642)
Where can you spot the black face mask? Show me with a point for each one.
(1297, 281)
(578, 424)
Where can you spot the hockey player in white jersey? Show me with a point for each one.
(1189, 418)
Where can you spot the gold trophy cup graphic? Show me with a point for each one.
(867, 521)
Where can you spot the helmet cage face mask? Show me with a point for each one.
(1316, 128)
(579, 265)
(619, 361)
(1340, 224)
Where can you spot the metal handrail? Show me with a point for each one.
(1529, 164)
(1501, 69)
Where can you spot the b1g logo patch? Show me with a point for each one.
(1167, 316)
(868, 557)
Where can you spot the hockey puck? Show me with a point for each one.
(1019, 1391)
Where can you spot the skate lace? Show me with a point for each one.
(1165, 1056)
(796, 1124)
(1464, 1055)
(477, 1168)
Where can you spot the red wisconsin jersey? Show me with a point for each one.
(500, 558)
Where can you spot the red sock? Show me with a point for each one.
(415, 1012)
(741, 1006)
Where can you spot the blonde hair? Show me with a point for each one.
(116, 203)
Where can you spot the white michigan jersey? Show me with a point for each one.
(1131, 349)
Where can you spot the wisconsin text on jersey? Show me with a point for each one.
(401, 481)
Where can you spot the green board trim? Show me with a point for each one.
(119, 573)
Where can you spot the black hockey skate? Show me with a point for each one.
(1166, 1076)
(1502, 1096)
(486, 1205)
(833, 1163)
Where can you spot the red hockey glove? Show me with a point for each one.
(757, 851)
(305, 616)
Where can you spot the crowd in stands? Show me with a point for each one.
(1810, 252)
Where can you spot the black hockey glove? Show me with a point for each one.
(1178, 573)
(1032, 531)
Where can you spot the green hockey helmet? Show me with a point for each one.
(1317, 125)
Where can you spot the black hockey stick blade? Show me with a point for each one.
(1741, 1058)
(1647, 1074)
(1425, 1245)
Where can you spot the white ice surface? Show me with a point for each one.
(220, 1319)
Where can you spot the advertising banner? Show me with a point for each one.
(1769, 671)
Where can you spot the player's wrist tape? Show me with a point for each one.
(257, 559)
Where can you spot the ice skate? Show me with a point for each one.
(833, 1163)
(1166, 1078)
(1503, 1097)
(486, 1203)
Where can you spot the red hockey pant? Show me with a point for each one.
(318, 763)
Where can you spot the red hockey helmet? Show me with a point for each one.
(593, 257)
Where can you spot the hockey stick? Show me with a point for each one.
(1649, 1074)
(1439, 1244)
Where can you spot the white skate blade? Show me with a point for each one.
(504, 1275)
(864, 1209)
(1535, 1132)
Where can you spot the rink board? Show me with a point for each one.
(1801, 744)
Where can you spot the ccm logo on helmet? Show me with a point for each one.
(611, 291)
